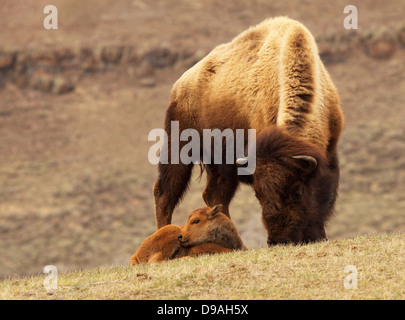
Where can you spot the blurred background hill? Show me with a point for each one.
(77, 104)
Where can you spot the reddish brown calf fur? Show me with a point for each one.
(269, 78)
(207, 231)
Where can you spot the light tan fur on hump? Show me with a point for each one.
(269, 75)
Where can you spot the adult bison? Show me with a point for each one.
(269, 78)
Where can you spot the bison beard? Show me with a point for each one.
(269, 78)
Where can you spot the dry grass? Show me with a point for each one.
(314, 271)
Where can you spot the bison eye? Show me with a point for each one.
(298, 192)
(196, 221)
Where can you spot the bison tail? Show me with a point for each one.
(202, 169)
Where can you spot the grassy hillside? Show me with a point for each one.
(315, 271)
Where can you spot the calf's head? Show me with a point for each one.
(210, 225)
(296, 186)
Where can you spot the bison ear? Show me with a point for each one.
(214, 211)
(310, 163)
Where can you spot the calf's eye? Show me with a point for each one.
(196, 221)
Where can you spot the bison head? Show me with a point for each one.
(296, 187)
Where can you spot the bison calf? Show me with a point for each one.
(207, 231)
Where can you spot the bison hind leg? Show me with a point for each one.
(219, 189)
(169, 189)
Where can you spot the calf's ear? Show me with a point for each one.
(308, 163)
(214, 211)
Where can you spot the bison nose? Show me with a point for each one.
(180, 237)
(271, 242)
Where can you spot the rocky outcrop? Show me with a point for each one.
(58, 71)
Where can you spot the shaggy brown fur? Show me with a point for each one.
(269, 78)
(296, 199)
(207, 231)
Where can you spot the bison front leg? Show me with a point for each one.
(219, 189)
(169, 189)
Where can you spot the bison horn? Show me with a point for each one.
(241, 161)
(311, 161)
